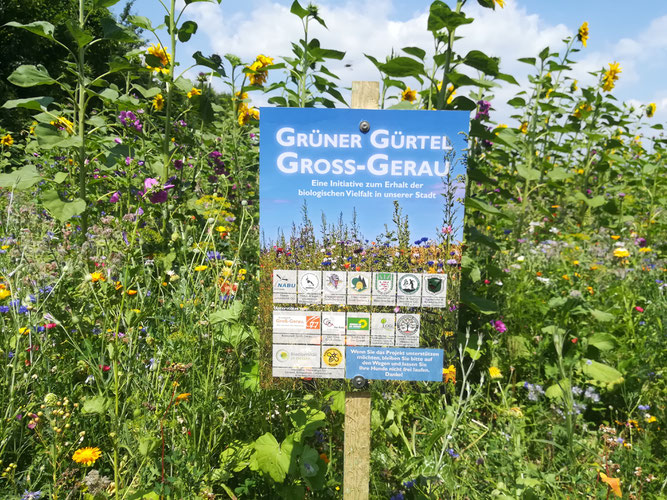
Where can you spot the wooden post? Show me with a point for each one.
(357, 447)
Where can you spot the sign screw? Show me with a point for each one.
(364, 127)
(359, 382)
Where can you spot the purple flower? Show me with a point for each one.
(452, 453)
(499, 326)
(178, 164)
(115, 198)
(31, 495)
(640, 242)
(150, 182)
(483, 108)
(621, 195)
(644, 407)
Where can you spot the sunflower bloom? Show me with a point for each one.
(524, 128)
(501, 3)
(409, 95)
(161, 53)
(246, 114)
(7, 141)
(195, 91)
(258, 74)
(63, 123)
(611, 76)
(582, 36)
(158, 102)
(650, 110)
(86, 456)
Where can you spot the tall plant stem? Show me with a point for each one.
(81, 109)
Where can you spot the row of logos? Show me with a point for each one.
(355, 329)
(359, 288)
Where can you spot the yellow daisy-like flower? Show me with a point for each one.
(524, 128)
(409, 95)
(499, 128)
(611, 76)
(228, 263)
(582, 35)
(621, 252)
(63, 123)
(494, 372)
(452, 91)
(645, 249)
(241, 96)
(87, 456)
(265, 60)
(501, 3)
(615, 237)
(158, 102)
(201, 268)
(650, 110)
(573, 85)
(4, 293)
(131, 292)
(161, 53)
(195, 91)
(97, 276)
(7, 141)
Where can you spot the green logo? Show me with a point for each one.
(357, 324)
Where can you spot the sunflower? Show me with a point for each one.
(582, 35)
(161, 53)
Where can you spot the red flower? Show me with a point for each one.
(48, 326)
(640, 309)
(574, 340)
(105, 368)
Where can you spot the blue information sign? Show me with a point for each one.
(380, 363)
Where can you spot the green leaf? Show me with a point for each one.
(337, 401)
(544, 54)
(28, 75)
(41, 28)
(109, 94)
(473, 353)
(479, 60)
(271, 458)
(21, 178)
(214, 62)
(476, 236)
(528, 60)
(555, 391)
(441, 16)
(147, 93)
(308, 466)
(476, 204)
(415, 51)
(141, 22)
(602, 316)
(602, 341)
(507, 78)
(62, 210)
(111, 30)
(103, 4)
(489, 4)
(558, 174)
(36, 103)
(229, 315)
(297, 10)
(147, 444)
(187, 29)
(81, 37)
(402, 67)
(60, 177)
(478, 304)
(95, 405)
(249, 376)
(601, 372)
(530, 174)
(596, 201)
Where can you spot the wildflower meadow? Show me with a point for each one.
(131, 274)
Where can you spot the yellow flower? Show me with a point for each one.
(645, 249)
(241, 96)
(610, 76)
(4, 293)
(566, 277)
(585, 107)
(195, 91)
(494, 372)
(97, 276)
(161, 53)
(501, 3)
(615, 237)
(131, 292)
(449, 374)
(23, 330)
(515, 411)
(7, 140)
(182, 397)
(613, 482)
(573, 86)
(201, 268)
(451, 91)
(549, 92)
(228, 263)
(258, 74)
(524, 128)
(621, 252)
(409, 95)
(226, 272)
(500, 127)
(86, 456)
(247, 113)
(650, 110)
(158, 102)
(650, 419)
(575, 262)
(63, 123)
(582, 36)
(590, 290)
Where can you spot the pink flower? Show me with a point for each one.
(105, 368)
(115, 197)
(151, 183)
(499, 326)
(48, 326)
(640, 309)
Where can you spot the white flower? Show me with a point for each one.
(520, 258)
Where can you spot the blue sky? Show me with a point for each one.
(633, 34)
